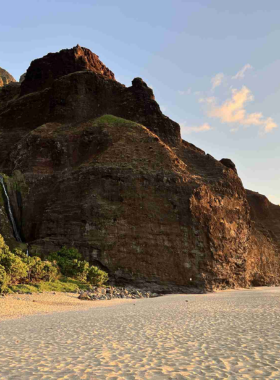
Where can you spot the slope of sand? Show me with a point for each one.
(225, 335)
(20, 305)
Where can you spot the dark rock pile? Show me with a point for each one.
(108, 293)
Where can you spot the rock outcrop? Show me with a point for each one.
(44, 71)
(96, 165)
(229, 164)
(22, 77)
(5, 77)
(265, 215)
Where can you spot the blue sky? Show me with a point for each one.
(213, 65)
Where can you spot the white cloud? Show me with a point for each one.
(217, 80)
(209, 100)
(196, 129)
(241, 73)
(233, 110)
(187, 92)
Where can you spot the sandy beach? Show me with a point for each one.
(224, 335)
(20, 305)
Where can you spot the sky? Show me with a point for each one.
(213, 65)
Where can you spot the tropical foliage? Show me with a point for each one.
(17, 268)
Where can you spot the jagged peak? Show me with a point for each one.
(43, 71)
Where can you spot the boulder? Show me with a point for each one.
(229, 164)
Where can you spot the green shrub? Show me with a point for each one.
(97, 276)
(19, 270)
(70, 263)
(3, 279)
(14, 266)
(79, 269)
(39, 270)
(65, 253)
(3, 246)
(19, 253)
(50, 271)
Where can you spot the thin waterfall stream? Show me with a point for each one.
(12, 219)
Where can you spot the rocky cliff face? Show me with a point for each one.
(96, 165)
(5, 77)
(44, 71)
(265, 215)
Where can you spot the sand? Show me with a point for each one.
(225, 335)
(19, 305)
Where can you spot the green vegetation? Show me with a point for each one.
(62, 285)
(110, 119)
(3, 278)
(96, 276)
(70, 263)
(63, 271)
(114, 120)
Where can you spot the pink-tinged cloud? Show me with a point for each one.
(195, 129)
(233, 111)
(241, 73)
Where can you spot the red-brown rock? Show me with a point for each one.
(5, 77)
(124, 188)
(43, 71)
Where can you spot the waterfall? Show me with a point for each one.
(16, 233)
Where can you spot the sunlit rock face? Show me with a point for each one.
(96, 165)
(44, 71)
(5, 77)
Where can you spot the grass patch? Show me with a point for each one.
(63, 285)
(114, 120)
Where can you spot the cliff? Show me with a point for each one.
(96, 165)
